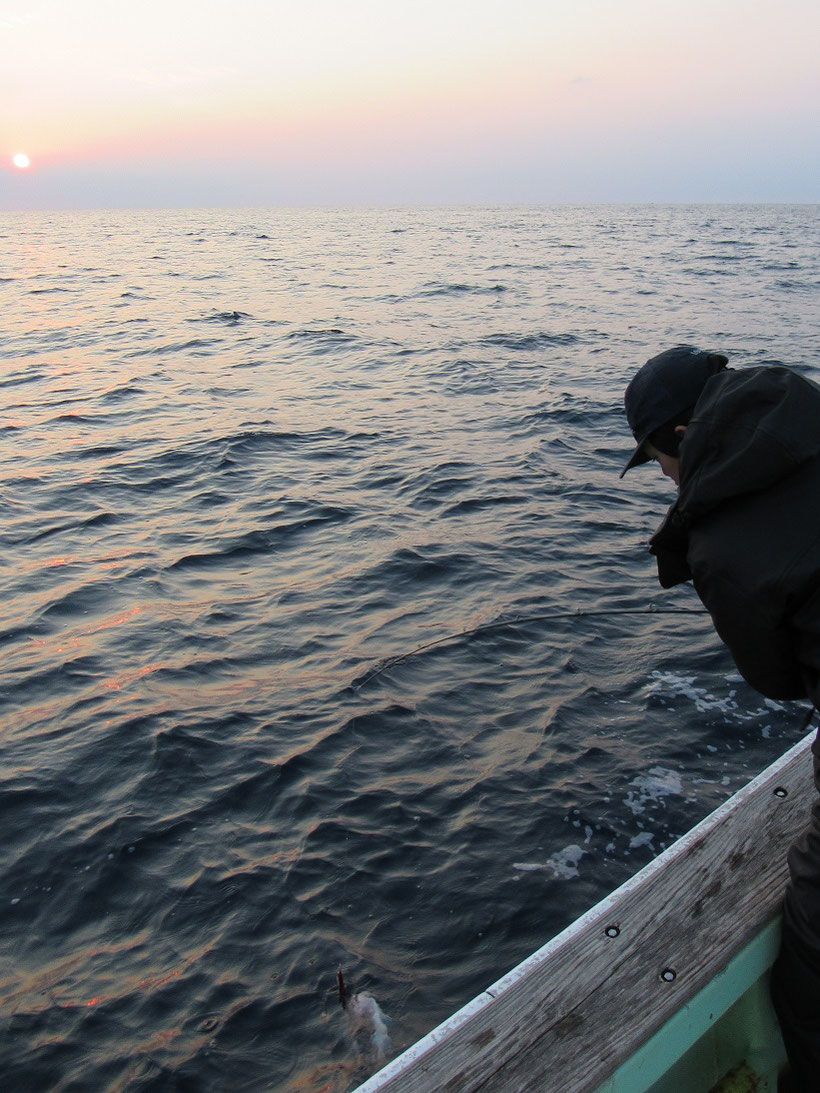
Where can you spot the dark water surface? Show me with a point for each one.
(248, 456)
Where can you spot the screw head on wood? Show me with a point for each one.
(612, 931)
(781, 791)
(669, 975)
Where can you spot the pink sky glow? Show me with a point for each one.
(187, 102)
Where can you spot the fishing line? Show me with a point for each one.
(579, 613)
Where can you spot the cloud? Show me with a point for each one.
(15, 22)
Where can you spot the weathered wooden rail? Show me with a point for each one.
(574, 1011)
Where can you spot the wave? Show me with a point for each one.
(174, 347)
(124, 391)
(285, 534)
(98, 520)
(331, 334)
(17, 379)
(438, 288)
(230, 318)
(528, 342)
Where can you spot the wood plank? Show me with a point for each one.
(567, 1016)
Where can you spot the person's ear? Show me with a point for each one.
(680, 431)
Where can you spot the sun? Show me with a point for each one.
(21, 160)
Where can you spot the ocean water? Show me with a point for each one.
(326, 622)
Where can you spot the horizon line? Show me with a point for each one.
(383, 205)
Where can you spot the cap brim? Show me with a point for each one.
(638, 456)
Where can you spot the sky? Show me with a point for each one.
(175, 103)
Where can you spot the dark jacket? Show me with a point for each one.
(746, 525)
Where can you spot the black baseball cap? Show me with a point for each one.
(666, 385)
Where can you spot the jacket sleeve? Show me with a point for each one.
(669, 545)
(762, 645)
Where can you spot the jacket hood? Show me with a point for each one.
(750, 430)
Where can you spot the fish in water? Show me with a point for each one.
(368, 1019)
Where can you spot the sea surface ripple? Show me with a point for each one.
(291, 501)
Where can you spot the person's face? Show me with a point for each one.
(670, 466)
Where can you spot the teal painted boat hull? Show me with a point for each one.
(728, 1026)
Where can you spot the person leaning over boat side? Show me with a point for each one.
(743, 448)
